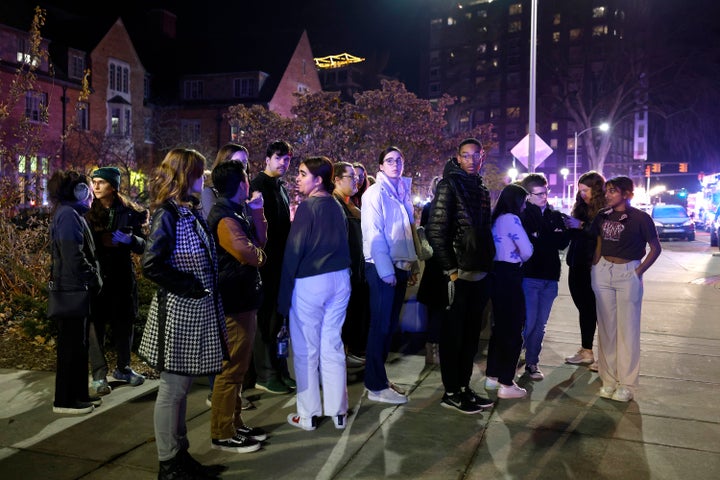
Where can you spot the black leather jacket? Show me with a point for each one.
(459, 225)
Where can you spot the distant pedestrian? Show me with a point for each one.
(590, 200)
(229, 151)
(74, 268)
(459, 231)
(387, 215)
(185, 334)
(512, 248)
(620, 260)
(119, 228)
(363, 183)
(314, 293)
(541, 273)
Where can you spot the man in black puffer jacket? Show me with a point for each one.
(459, 230)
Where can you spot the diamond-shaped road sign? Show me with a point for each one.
(521, 151)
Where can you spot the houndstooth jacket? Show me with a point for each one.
(185, 332)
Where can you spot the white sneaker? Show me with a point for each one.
(593, 367)
(511, 391)
(491, 383)
(387, 395)
(305, 423)
(622, 394)
(606, 392)
(340, 421)
(584, 355)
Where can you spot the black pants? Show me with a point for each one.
(460, 332)
(584, 299)
(357, 319)
(506, 341)
(71, 378)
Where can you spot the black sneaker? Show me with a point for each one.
(460, 402)
(473, 397)
(238, 444)
(255, 433)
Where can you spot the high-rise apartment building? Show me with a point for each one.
(479, 51)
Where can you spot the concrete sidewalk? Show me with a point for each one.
(562, 430)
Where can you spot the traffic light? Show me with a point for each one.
(647, 170)
(655, 168)
(683, 167)
(683, 193)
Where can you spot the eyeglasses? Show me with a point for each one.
(474, 156)
(393, 161)
(541, 194)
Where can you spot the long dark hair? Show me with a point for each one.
(511, 200)
(321, 167)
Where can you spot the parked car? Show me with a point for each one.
(672, 221)
(713, 226)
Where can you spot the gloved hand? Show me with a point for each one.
(120, 237)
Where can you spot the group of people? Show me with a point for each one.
(94, 232)
(232, 268)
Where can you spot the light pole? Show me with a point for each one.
(564, 172)
(604, 127)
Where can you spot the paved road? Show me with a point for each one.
(562, 431)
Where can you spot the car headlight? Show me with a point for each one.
(657, 224)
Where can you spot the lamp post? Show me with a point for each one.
(564, 172)
(604, 127)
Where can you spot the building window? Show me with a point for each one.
(599, 30)
(434, 73)
(451, 21)
(512, 112)
(575, 34)
(190, 131)
(81, 117)
(119, 77)
(556, 37)
(556, 19)
(598, 12)
(515, 26)
(515, 9)
(119, 122)
(23, 53)
(436, 23)
(482, 48)
(32, 179)
(236, 134)
(553, 143)
(77, 66)
(193, 89)
(494, 113)
(36, 106)
(434, 88)
(302, 88)
(244, 87)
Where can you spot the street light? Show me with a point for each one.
(564, 172)
(604, 127)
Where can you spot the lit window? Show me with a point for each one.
(598, 12)
(451, 21)
(553, 143)
(32, 180)
(556, 19)
(512, 112)
(599, 30)
(481, 48)
(515, 9)
(575, 34)
(556, 37)
(554, 127)
(302, 88)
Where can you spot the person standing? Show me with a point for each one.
(459, 231)
(357, 316)
(541, 273)
(314, 293)
(432, 281)
(185, 334)
(362, 184)
(386, 217)
(512, 248)
(229, 151)
(74, 267)
(620, 260)
(590, 200)
(271, 370)
(240, 237)
(118, 227)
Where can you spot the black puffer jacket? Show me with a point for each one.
(459, 226)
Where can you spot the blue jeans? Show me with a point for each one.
(539, 297)
(385, 303)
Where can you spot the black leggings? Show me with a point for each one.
(584, 299)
